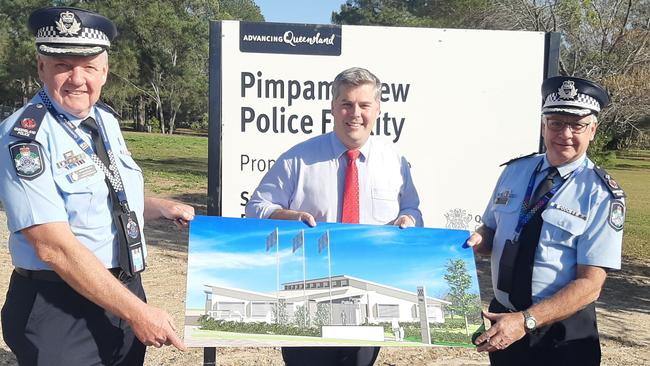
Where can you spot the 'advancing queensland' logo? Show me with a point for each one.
(297, 39)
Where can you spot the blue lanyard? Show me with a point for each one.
(528, 211)
(71, 129)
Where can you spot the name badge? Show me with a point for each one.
(131, 230)
(503, 197)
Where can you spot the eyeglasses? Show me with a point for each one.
(575, 127)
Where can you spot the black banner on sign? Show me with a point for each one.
(294, 39)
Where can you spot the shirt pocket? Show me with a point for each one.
(385, 204)
(86, 200)
(559, 233)
(507, 212)
(133, 181)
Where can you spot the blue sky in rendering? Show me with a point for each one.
(232, 253)
(299, 11)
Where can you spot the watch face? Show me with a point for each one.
(530, 323)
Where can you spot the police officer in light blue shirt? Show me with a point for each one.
(75, 206)
(553, 228)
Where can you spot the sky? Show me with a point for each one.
(299, 11)
(232, 253)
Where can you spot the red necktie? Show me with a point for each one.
(351, 194)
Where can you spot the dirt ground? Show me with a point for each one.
(623, 310)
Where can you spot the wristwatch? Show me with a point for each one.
(530, 323)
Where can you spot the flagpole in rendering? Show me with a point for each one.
(304, 276)
(277, 273)
(273, 240)
(329, 270)
(324, 241)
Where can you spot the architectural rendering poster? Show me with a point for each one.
(254, 282)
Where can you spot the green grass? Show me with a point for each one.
(631, 170)
(171, 164)
(178, 164)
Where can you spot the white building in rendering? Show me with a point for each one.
(353, 302)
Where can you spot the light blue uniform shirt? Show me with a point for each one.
(310, 177)
(575, 230)
(63, 193)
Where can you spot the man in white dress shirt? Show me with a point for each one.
(342, 176)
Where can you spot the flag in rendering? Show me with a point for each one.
(272, 240)
(298, 241)
(323, 241)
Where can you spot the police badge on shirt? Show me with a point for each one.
(28, 159)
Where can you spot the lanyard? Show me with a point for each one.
(528, 211)
(114, 178)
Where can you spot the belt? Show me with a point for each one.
(51, 276)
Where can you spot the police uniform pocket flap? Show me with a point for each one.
(129, 162)
(567, 219)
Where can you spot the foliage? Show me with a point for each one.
(208, 323)
(451, 331)
(301, 317)
(459, 282)
(322, 316)
(414, 13)
(158, 62)
(597, 152)
(155, 124)
(280, 315)
(602, 40)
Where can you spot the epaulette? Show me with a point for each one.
(108, 109)
(611, 184)
(27, 125)
(518, 158)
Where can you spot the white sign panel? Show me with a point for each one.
(456, 103)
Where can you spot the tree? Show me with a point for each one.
(280, 315)
(158, 62)
(322, 316)
(302, 319)
(18, 78)
(603, 40)
(459, 282)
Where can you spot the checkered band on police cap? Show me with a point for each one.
(569, 95)
(71, 31)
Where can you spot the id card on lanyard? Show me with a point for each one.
(131, 251)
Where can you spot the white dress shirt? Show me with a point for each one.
(310, 177)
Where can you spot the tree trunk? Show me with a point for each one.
(466, 325)
(140, 120)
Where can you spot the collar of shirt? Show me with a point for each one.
(338, 149)
(72, 118)
(566, 169)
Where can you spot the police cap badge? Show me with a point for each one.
(569, 95)
(71, 31)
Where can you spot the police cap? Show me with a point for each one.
(569, 95)
(63, 31)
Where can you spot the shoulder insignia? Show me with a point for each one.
(108, 109)
(611, 184)
(519, 158)
(27, 125)
(27, 157)
(616, 217)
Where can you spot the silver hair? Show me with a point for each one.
(355, 76)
